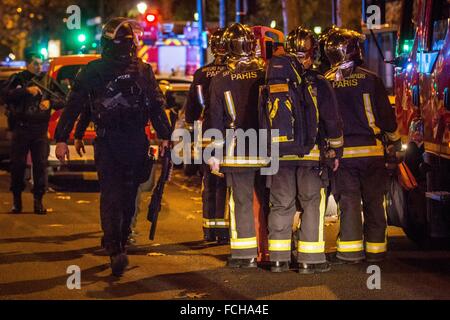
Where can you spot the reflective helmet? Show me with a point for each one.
(239, 41)
(343, 45)
(216, 43)
(303, 43)
(120, 38)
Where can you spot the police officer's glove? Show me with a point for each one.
(79, 147)
(332, 160)
(34, 91)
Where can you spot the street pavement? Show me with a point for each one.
(35, 252)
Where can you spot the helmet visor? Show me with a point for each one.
(112, 27)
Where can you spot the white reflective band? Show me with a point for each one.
(222, 223)
(376, 247)
(230, 161)
(230, 105)
(311, 247)
(280, 245)
(369, 151)
(369, 113)
(246, 243)
(336, 142)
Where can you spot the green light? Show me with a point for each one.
(44, 52)
(81, 37)
(94, 45)
(406, 47)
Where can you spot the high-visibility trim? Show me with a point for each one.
(281, 139)
(277, 88)
(393, 136)
(311, 247)
(314, 99)
(231, 207)
(243, 243)
(364, 151)
(375, 247)
(369, 113)
(350, 246)
(245, 161)
(336, 142)
(279, 245)
(230, 105)
(314, 155)
(322, 209)
(215, 223)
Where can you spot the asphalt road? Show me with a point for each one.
(35, 252)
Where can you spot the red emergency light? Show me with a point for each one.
(150, 17)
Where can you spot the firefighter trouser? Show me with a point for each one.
(118, 189)
(214, 191)
(306, 184)
(33, 139)
(361, 180)
(240, 206)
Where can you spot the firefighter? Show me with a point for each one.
(234, 105)
(305, 177)
(122, 94)
(215, 226)
(29, 109)
(362, 177)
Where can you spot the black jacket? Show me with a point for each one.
(203, 77)
(93, 78)
(25, 108)
(366, 112)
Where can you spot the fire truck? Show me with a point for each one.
(422, 104)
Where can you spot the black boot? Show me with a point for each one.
(118, 263)
(279, 266)
(309, 268)
(17, 203)
(38, 206)
(242, 263)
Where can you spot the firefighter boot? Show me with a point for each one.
(17, 203)
(309, 268)
(280, 266)
(242, 263)
(38, 206)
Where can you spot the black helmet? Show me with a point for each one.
(303, 43)
(216, 43)
(120, 38)
(343, 45)
(239, 41)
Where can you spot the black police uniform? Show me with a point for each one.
(367, 115)
(29, 125)
(213, 188)
(121, 145)
(306, 178)
(234, 105)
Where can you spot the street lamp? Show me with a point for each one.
(142, 7)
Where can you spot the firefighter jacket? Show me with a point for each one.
(234, 105)
(330, 134)
(366, 112)
(194, 107)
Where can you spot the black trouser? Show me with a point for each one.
(214, 196)
(361, 180)
(119, 181)
(29, 138)
(304, 183)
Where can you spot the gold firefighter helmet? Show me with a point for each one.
(303, 43)
(343, 45)
(217, 44)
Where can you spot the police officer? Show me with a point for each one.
(368, 120)
(305, 177)
(29, 110)
(123, 95)
(234, 105)
(215, 226)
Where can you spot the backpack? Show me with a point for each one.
(288, 103)
(122, 103)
